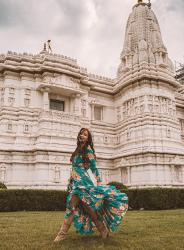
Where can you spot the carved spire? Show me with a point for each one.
(143, 40)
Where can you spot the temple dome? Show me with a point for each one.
(143, 40)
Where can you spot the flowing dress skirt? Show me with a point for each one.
(108, 202)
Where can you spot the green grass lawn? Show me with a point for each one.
(146, 230)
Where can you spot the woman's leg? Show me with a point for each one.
(74, 202)
(68, 221)
(90, 211)
(99, 225)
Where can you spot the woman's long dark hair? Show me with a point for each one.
(82, 150)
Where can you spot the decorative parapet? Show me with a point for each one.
(101, 83)
(40, 56)
(63, 116)
(40, 63)
(95, 77)
(83, 70)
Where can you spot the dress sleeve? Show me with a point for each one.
(93, 167)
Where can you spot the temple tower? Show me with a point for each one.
(152, 145)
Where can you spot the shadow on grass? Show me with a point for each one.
(90, 242)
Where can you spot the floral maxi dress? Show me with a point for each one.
(108, 202)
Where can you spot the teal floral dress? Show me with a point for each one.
(108, 202)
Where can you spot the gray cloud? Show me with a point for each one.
(171, 20)
(91, 31)
(10, 13)
(175, 6)
(74, 14)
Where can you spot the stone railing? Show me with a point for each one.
(31, 56)
(101, 78)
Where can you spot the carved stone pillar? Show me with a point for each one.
(77, 104)
(92, 111)
(57, 174)
(92, 104)
(46, 98)
(6, 95)
(172, 173)
(129, 175)
(71, 105)
(22, 96)
(146, 109)
(2, 173)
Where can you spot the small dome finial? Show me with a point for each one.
(149, 3)
(139, 1)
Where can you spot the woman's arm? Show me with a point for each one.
(93, 167)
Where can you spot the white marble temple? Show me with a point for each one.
(137, 118)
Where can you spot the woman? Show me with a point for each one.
(87, 204)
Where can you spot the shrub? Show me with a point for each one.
(118, 185)
(55, 200)
(2, 186)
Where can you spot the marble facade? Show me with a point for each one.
(136, 119)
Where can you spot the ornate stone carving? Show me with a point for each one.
(105, 139)
(57, 173)
(11, 101)
(26, 102)
(63, 80)
(2, 173)
(124, 175)
(59, 115)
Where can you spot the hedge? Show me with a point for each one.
(55, 200)
(32, 200)
(155, 198)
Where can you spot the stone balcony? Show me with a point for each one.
(61, 85)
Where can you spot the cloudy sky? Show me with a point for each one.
(91, 31)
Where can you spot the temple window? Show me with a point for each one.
(57, 105)
(98, 113)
